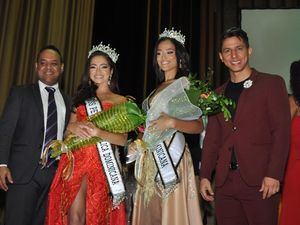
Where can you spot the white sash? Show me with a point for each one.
(92, 106)
(108, 159)
(112, 172)
(168, 158)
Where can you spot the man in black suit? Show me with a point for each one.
(23, 137)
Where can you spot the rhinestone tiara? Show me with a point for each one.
(173, 34)
(111, 52)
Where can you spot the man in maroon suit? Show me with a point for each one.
(249, 152)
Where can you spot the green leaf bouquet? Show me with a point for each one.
(121, 118)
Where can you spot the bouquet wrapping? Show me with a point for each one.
(186, 99)
(173, 101)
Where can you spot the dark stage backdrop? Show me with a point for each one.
(132, 27)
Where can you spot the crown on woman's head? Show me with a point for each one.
(111, 52)
(173, 34)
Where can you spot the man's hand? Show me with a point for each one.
(5, 174)
(269, 187)
(206, 190)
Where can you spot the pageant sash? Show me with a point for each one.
(112, 172)
(92, 106)
(168, 158)
(107, 157)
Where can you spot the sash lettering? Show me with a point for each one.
(108, 159)
(167, 159)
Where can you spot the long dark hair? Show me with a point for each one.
(295, 80)
(183, 60)
(87, 88)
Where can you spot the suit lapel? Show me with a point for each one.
(38, 99)
(243, 98)
(68, 107)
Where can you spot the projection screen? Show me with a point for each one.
(274, 35)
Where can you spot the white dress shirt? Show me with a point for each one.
(60, 106)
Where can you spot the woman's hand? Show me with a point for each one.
(113, 138)
(80, 128)
(92, 130)
(163, 122)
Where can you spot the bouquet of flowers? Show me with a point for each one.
(187, 98)
(201, 95)
(121, 118)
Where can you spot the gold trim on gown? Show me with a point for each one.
(181, 207)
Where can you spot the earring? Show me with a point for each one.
(90, 82)
(109, 79)
(180, 65)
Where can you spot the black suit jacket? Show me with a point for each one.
(22, 131)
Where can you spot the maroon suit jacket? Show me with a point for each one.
(260, 133)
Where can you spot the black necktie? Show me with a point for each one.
(51, 128)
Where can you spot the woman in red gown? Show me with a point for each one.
(290, 211)
(80, 192)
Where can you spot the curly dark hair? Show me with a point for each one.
(295, 80)
(87, 88)
(182, 57)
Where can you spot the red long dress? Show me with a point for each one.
(290, 211)
(98, 202)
